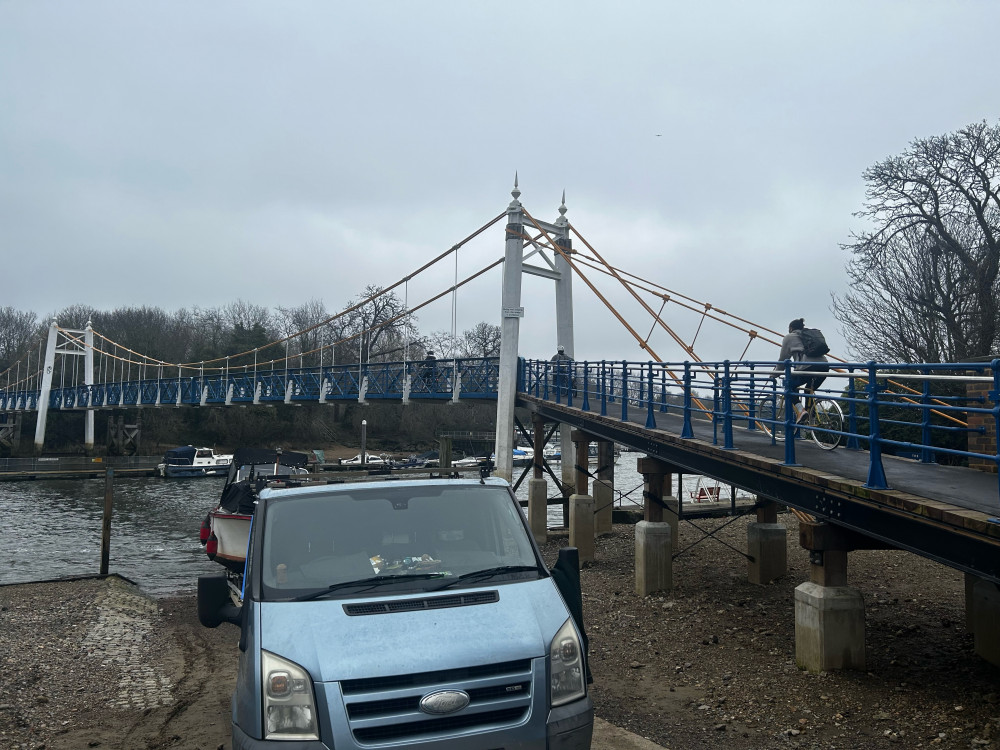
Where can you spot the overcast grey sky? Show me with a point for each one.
(187, 153)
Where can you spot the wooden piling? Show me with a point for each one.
(109, 495)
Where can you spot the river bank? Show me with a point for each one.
(712, 661)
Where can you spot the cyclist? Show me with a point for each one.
(793, 348)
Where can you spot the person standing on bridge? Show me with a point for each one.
(430, 371)
(561, 368)
(793, 347)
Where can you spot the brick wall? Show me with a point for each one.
(986, 442)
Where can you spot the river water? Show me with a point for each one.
(52, 528)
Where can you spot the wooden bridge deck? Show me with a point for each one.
(949, 514)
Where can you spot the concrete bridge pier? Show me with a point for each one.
(581, 504)
(829, 614)
(655, 537)
(983, 617)
(538, 488)
(604, 487)
(767, 544)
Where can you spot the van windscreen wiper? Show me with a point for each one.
(477, 575)
(365, 583)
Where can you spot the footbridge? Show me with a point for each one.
(909, 460)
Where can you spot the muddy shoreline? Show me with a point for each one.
(97, 663)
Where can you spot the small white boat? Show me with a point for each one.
(371, 458)
(522, 456)
(188, 461)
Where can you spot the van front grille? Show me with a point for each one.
(387, 709)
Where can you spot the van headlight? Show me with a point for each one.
(289, 706)
(567, 681)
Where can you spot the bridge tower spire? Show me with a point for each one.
(88, 380)
(564, 321)
(511, 314)
(46, 386)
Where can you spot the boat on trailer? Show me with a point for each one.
(225, 531)
(188, 461)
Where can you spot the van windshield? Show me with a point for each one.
(415, 537)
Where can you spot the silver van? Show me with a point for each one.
(412, 613)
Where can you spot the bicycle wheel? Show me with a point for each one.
(770, 412)
(829, 417)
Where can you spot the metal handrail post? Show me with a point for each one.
(716, 407)
(876, 472)
(995, 395)
(852, 412)
(752, 401)
(570, 371)
(604, 389)
(686, 431)
(650, 419)
(624, 390)
(586, 396)
(789, 417)
(663, 389)
(727, 408)
(545, 383)
(926, 454)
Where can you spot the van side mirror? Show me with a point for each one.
(214, 603)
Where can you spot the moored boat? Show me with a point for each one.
(188, 461)
(225, 531)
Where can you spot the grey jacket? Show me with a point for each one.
(793, 349)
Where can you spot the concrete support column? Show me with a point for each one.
(604, 500)
(970, 606)
(658, 505)
(986, 620)
(538, 509)
(581, 504)
(581, 526)
(654, 562)
(604, 487)
(829, 617)
(767, 544)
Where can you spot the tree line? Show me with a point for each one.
(925, 272)
(371, 327)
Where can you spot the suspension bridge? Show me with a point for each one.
(915, 465)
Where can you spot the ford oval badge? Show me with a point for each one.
(444, 702)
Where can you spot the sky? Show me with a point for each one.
(182, 154)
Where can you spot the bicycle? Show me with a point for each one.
(822, 418)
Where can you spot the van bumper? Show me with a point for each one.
(571, 727)
(243, 742)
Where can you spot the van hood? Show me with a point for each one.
(333, 646)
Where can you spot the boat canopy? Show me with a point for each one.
(183, 456)
(255, 456)
(238, 495)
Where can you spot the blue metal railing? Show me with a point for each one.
(924, 411)
(464, 378)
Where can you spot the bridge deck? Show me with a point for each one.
(950, 514)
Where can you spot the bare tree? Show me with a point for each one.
(19, 331)
(482, 340)
(380, 327)
(292, 320)
(925, 279)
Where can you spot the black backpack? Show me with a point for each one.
(813, 342)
